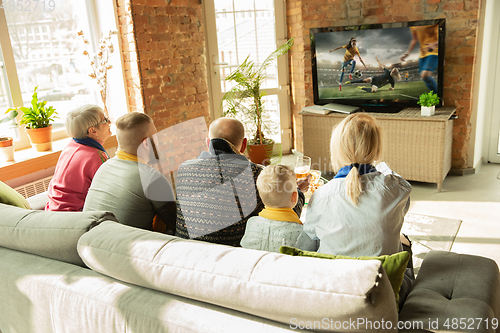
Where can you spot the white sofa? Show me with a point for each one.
(58, 276)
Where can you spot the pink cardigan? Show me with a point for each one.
(74, 172)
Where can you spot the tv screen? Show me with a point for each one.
(378, 67)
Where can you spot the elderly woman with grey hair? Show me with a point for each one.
(81, 158)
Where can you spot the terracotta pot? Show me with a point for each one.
(6, 142)
(260, 154)
(41, 138)
(7, 150)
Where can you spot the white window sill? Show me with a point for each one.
(29, 160)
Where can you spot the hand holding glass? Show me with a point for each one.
(302, 166)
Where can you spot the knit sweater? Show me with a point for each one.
(217, 194)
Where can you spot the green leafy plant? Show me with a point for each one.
(428, 99)
(39, 115)
(245, 99)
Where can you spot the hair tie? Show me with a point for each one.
(355, 165)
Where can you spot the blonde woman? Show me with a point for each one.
(360, 212)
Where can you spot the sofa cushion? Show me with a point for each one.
(9, 196)
(49, 234)
(304, 290)
(394, 264)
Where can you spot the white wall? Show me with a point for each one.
(483, 116)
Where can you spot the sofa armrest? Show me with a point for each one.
(48, 234)
(457, 292)
(38, 201)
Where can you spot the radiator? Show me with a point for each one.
(33, 188)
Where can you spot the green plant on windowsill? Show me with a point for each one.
(38, 115)
(428, 99)
(38, 119)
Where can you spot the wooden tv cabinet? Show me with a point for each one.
(416, 147)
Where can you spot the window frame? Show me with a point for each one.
(99, 22)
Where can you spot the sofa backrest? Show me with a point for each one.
(49, 234)
(300, 291)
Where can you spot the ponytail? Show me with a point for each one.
(353, 184)
(356, 139)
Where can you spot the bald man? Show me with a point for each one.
(216, 193)
(129, 188)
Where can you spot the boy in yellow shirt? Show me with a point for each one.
(277, 224)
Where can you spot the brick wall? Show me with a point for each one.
(164, 52)
(461, 43)
(181, 142)
(165, 62)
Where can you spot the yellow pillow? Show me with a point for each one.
(9, 196)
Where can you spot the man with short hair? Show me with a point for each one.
(216, 193)
(128, 187)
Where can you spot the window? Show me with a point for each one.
(62, 80)
(256, 36)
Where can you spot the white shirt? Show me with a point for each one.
(371, 228)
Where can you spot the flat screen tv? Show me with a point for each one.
(379, 46)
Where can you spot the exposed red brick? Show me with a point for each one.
(457, 6)
(373, 11)
(164, 40)
(164, 53)
(461, 41)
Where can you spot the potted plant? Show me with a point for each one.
(428, 102)
(8, 122)
(37, 120)
(245, 102)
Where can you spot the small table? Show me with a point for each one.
(416, 147)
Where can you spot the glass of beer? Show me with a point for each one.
(302, 166)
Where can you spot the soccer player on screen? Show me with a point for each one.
(379, 81)
(427, 37)
(350, 51)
